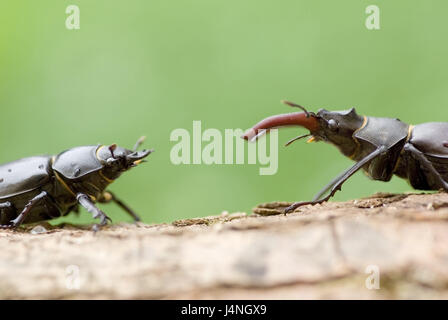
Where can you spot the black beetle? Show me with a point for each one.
(381, 147)
(45, 187)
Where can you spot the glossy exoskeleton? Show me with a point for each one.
(45, 187)
(382, 147)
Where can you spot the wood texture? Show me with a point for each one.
(314, 253)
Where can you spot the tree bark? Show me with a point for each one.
(382, 247)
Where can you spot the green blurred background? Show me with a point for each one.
(147, 67)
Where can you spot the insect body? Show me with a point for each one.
(381, 147)
(45, 187)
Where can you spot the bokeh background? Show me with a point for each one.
(146, 67)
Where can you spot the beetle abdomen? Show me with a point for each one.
(23, 175)
(431, 138)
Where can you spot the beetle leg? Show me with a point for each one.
(337, 183)
(22, 216)
(328, 186)
(3, 207)
(426, 163)
(109, 196)
(85, 201)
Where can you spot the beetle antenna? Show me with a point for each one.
(297, 138)
(112, 149)
(292, 104)
(139, 143)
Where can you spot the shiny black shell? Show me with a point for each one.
(377, 132)
(23, 179)
(77, 162)
(24, 175)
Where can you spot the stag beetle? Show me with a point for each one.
(381, 147)
(45, 187)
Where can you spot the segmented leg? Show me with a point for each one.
(4, 207)
(22, 216)
(88, 204)
(420, 156)
(339, 181)
(109, 196)
(328, 187)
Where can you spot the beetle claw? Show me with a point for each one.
(295, 205)
(104, 220)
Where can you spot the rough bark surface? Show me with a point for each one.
(318, 251)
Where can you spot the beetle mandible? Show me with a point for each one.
(45, 187)
(381, 147)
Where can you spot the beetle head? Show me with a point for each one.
(335, 127)
(117, 159)
(338, 127)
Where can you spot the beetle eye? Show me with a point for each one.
(333, 125)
